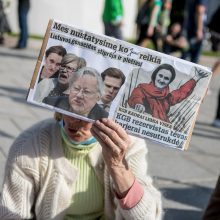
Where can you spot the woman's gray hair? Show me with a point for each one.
(81, 63)
(88, 71)
(69, 58)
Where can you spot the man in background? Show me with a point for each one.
(112, 18)
(23, 9)
(147, 20)
(194, 22)
(174, 40)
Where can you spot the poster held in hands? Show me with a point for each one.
(159, 99)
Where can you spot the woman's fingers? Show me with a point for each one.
(114, 145)
(111, 135)
(111, 128)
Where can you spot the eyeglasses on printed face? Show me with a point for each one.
(68, 68)
(85, 92)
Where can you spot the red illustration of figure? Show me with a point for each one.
(155, 98)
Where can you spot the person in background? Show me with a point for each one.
(85, 90)
(58, 86)
(73, 169)
(164, 19)
(147, 21)
(113, 79)
(113, 18)
(212, 211)
(174, 40)
(4, 25)
(23, 9)
(163, 23)
(53, 57)
(193, 27)
(214, 29)
(216, 122)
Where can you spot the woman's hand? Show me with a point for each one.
(115, 142)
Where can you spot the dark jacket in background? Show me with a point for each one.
(212, 211)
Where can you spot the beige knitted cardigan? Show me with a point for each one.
(38, 178)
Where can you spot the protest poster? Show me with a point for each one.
(158, 98)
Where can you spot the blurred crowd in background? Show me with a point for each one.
(165, 25)
(168, 25)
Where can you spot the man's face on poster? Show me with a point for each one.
(162, 78)
(66, 71)
(52, 63)
(83, 94)
(111, 88)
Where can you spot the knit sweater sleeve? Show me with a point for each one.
(149, 207)
(21, 180)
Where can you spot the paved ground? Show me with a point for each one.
(186, 179)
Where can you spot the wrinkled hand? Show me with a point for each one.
(114, 141)
(140, 108)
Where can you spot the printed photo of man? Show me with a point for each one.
(113, 79)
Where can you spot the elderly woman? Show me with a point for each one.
(85, 90)
(74, 169)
